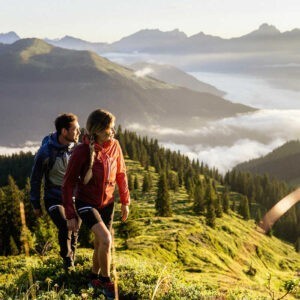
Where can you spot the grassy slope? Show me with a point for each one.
(192, 260)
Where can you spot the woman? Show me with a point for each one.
(94, 168)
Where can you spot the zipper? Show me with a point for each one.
(108, 167)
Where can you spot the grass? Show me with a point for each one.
(178, 257)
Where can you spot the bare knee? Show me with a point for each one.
(103, 241)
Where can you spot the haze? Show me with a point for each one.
(107, 21)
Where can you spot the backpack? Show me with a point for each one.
(49, 161)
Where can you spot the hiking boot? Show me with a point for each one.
(68, 264)
(105, 288)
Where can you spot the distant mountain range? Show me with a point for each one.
(9, 38)
(282, 163)
(265, 38)
(172, 75)
(38, 81)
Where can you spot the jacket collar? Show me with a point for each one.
(98, 147)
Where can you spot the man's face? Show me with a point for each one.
(72, 134)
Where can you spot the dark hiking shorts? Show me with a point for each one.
(91, 215)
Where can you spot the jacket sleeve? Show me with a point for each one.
(36, 178)
(121, 178)
(70, 181)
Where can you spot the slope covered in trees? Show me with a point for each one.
(251, 195)
(282, 163)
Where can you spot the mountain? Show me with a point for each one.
(173, 75)
(70, 42)
(38, 81)
(9, 37)
(267, 38)
(264, 30)
(282, 163)
(149, 40)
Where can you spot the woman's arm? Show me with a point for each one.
(77, 160)
(121, 178)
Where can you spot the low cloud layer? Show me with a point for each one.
(230, 141)
(223, 143)
(143, 72)
(29, 146)
(226, 157)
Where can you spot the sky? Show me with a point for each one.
(108, 21)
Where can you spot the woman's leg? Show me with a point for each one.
(102, 250)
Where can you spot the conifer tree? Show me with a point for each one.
(13, 218)
(297, 245)
(173, 182)
(210, 215)
(218, 207)
(136, 184)
(258, 216)
(199, 202)
(162, 202)
(130, 182)
(244, 208)
(225, 201)
(120, 137)
(146, 183)
(13, 246)
(2, 222)
(31, 222)
(210, 195)
(233, 205)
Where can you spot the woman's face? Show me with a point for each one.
(106, 134)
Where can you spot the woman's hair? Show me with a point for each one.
(97, 121)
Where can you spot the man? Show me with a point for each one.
(50, 163)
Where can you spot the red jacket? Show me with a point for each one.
(108, 169)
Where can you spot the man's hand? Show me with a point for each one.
(38, 212)
(72, 224)
(124, 212)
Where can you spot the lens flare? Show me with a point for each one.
(279, 209)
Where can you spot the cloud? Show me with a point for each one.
(155, 130)
(226, 157)
(229, 141)
(28, 146)
(143, 72)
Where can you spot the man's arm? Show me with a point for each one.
(36, 181)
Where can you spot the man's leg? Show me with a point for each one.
(74, 239)
(57, 214)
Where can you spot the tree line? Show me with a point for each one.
(211, 194)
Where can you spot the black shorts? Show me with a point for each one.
(91, 215)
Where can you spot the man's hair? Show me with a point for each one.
(64, 121)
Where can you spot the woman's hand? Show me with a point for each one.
(124, 212)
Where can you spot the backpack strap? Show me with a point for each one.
(49, 162)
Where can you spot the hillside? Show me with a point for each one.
(38, 81)
(172, 75)
(282, 163)
(177, 257)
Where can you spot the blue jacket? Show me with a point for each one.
(50, 163)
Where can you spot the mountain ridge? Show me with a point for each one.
(282, 163)
(48, 80)
(155, 40)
